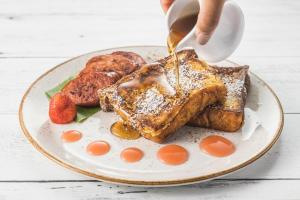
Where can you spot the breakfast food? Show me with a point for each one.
(148, 100)
(154, 100)
(99, 72)
(227, 115)
(61, 109)
(186, 55)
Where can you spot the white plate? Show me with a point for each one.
(251, 142)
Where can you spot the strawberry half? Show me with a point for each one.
(61, 109)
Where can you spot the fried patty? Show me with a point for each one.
(100, 72)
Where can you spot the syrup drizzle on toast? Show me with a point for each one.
(178, 30)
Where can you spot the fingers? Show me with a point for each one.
(165, 4)
(208, 19)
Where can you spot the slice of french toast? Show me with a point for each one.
(229, 114)
(149, 101)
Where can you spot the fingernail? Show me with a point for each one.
(202, 38)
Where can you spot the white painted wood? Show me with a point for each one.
(96, 7)
(234, 190)
(72, 35)
(55, 28)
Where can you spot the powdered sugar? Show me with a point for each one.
(235, 88)
(189, 79)
(151, 102)
(155, 99)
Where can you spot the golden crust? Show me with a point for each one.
(148, 100)
(201, 98)
(229, 114)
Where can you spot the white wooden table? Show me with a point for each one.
(35, 35)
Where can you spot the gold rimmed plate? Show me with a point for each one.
(262, 127)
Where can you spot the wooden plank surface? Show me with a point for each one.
(218, 189)
(68, 28)
(35, 35)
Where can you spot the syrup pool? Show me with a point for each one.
(123, 131)
(71, 136)
(98, 148)
(217, 146)
(172, 154)
(131, 155)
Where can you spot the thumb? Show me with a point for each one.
(208, 19)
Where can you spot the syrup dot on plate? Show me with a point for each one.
(172, 154)
(123, 131)
(71, 136)
(217, 146)
(132, 154)
(98, 148)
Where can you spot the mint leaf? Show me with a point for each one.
(82, 112)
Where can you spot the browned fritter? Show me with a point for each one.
(100, 72)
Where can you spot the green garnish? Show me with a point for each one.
(82, 112)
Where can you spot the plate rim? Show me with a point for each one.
(139, 182)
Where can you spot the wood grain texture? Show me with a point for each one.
(69, 28)
(218, 189)
(35, 35)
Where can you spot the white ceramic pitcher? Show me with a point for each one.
(225, 38)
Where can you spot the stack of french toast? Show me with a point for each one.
(150, 99)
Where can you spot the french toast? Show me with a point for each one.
(149, 101)
(227, 115)
(99, 72)
(104, 100)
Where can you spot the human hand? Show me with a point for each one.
(208, 17)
